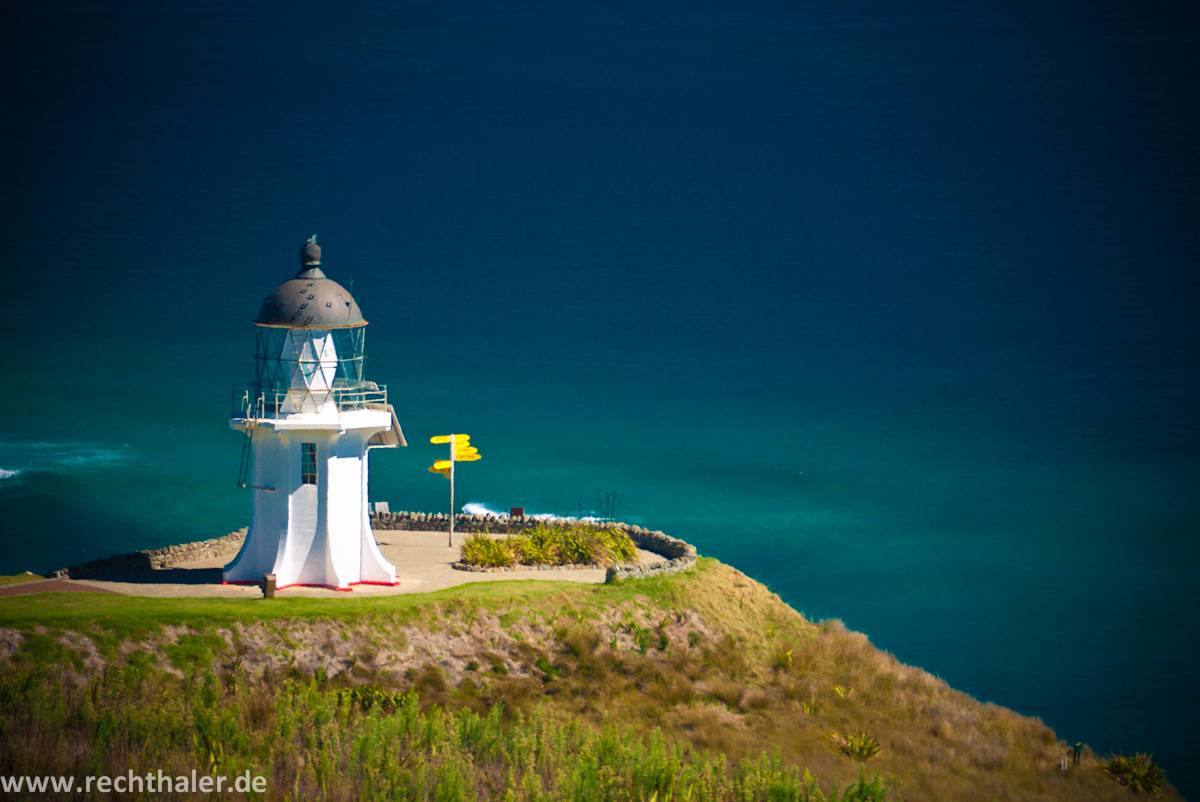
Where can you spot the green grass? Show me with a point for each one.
(19, 579)
(44, 649)
(191, 653)
(137, 616)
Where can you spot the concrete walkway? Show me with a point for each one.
(422, 561)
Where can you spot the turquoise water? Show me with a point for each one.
(892, 309)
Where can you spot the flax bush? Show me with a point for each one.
(1138, 773)
(617, 546)
(579, 544)
(536, 546)
(480, 549)
(858, 745)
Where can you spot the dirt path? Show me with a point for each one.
(422, 561)
(51, 586)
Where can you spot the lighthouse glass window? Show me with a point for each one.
(308, 463)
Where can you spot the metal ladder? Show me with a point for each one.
(254, 411)
(247, 451)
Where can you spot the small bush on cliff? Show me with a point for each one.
(1138, 773)
(859, 746)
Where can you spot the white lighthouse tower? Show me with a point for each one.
(309, 419)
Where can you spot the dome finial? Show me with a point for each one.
(310, 254)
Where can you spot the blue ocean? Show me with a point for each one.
(892, 306)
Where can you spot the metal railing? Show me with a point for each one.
(253, 403)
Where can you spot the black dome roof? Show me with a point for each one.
(310, 300)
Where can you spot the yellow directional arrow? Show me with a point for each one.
(461, 450)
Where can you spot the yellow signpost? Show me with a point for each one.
(461, 450)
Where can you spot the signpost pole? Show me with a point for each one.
(461, 450)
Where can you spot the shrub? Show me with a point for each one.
(619, 547)
(782, 659)
(486, 551)
(859, 746)
(873, 790)
(367, 696)
(543, 545)
(536, 547)
(1138, 773)
(497, 664)
(577, 545)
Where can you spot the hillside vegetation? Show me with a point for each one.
(701, 686)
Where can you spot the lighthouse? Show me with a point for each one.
(309, 419)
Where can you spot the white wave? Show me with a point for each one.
(549, 516)
(5, 473)
(478, 508)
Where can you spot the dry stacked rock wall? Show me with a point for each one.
(680, 555)
(165, 557)
(439, 522)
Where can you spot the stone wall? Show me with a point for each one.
(439, 522)
(680, 555)
(149, 559)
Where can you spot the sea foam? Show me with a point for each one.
(478, 508)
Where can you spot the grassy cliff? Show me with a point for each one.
(699, 686)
